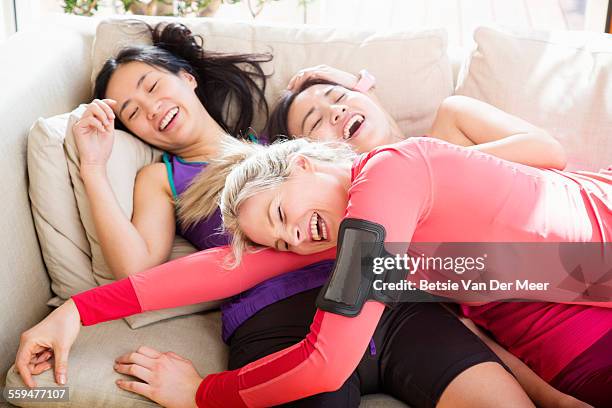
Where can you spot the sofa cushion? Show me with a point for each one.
(560, 81)
(91, 377)
(64, 223)
(62, 238)
(412, 68)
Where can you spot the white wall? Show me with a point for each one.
(459, 17)
(596, 15)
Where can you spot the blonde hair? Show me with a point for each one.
(242, 170)
(201, 199)
(263, 168)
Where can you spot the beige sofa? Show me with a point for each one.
(553, 80)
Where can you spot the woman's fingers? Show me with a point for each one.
(98, 112)
(110, 115)
(135, 387)
(22, 362)
(61, 364)
(134, 370)
(292, 81)
(174, 355)
(137, 358)
(149, 352)
(298, 79)
(316, 72)
(93, 123)
(323, 72)
(40, 368)
(40, 357)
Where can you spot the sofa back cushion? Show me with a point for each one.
(62, 238)
(412, 68)
(64, 224)
(561, 81)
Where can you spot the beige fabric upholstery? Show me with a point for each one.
(561, 81)
(62, 237)
(43, 73)
(413, 70)
(91, 377)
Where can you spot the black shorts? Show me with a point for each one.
(417, 350)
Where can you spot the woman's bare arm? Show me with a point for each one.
(469, 122)
(130, 246)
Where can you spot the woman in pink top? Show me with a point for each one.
(151, 295)
(415, 190)
(318, 105)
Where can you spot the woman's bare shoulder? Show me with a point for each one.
(154, 175)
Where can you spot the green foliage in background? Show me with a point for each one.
(81, 7)
(166, 7)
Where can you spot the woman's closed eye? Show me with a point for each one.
(318, 121)
(150, 91)
(133, 113)
(280, 214)
(282, 244)
(315, 125)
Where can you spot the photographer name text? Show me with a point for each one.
(467, 285)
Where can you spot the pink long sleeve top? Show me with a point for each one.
(421, 189)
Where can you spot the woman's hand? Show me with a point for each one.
(325, 72)
(52, 337)
(169, 379)
(94, 133)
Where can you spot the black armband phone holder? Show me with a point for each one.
(351, 282)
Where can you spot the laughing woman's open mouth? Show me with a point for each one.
(318, 228)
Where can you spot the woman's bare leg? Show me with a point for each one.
(542, 393)
(484, 385)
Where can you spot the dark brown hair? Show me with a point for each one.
(221, 78)
(278, 123)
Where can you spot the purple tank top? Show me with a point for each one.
(206, 234)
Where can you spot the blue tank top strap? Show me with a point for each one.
(253, 138)
(170, 171)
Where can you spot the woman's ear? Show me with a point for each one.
(300, 163)
(190, 79)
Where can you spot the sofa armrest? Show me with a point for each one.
(44, 71)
